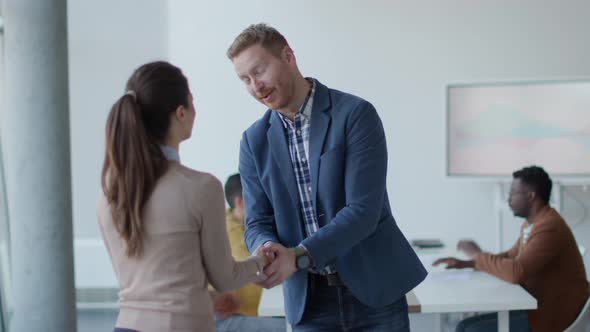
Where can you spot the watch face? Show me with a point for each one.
(302, 262)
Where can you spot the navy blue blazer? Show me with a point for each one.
(348, 165)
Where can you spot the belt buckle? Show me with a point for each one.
(334, 279)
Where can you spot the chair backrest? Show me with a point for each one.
(582, 322)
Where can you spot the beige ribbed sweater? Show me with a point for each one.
(186, 247)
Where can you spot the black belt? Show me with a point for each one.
(333, 279)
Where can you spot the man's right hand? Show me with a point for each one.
(454, 263)
(282, 266)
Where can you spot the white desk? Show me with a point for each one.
(443, 291)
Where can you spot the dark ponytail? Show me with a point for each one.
(136, 126)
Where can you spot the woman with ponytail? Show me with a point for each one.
(163, 223)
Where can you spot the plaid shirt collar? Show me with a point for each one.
(305, 108)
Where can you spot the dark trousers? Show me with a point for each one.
(334, 308)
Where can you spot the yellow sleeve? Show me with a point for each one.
(236, 240)
(250, 294)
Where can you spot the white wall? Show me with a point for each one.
(107, 41)
(399, 55)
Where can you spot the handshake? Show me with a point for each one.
(279, 264)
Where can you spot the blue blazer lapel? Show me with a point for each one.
(320, 124)
(280, 151)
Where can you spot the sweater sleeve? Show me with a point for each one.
(223, 272)
(516, 266)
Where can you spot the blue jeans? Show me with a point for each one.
(239, 323)
(334, 308)
(519, 322)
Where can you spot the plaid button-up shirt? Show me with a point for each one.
(297, 132)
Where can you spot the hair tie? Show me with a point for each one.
(131, 93)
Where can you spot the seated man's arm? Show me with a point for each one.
(471, 249)
(541, 248)
(511, 253)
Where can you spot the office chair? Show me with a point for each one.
(582, 322)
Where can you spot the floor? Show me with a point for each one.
(102, 320)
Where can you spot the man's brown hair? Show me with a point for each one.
(258, 34)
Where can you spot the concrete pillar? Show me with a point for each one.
(36, 151)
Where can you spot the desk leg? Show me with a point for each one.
(503, 321)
